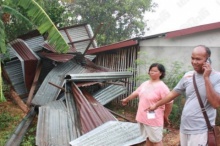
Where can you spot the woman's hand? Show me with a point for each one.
(124, 101)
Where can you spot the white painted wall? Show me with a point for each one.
(179, 49)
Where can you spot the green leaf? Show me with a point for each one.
(44, 24)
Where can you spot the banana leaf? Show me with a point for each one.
(44, 24)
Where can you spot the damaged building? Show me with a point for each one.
(67, 92)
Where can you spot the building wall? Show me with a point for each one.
(179, 49)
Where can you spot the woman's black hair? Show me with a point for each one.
(160, 67)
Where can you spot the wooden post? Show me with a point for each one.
(19, 101)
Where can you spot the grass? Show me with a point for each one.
(10, 117)
(8, 123)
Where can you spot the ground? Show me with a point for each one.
(171, 138)
(171, 135)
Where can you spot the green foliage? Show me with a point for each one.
(45, 25)
(174, 74)
(6, 120)
(121, 19)
(218, 117)
(23, 12)
(29, 138)
(17, 19)
(55, 10)
(2, 97)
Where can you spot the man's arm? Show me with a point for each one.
(212, 96)
(168, 109)
(173, 94)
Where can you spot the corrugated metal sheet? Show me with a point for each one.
(99, 76)
(35, 43)
(54, 126)
(90, 57)
(92, 113)
(58, 125)
(113, 133)
(79, 36)
(109, 93)
(119, 45)
(10, 55)
(29, 60)
(14, 71)
(74, 114)
(58, 57)
(55, 76)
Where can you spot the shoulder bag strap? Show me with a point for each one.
(201, 104)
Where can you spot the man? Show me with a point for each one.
(193, 128)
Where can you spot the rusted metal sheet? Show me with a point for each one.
(47, 93)
(196, 29)
(123, 44)
(57, 57)
(92, 113)
(86, 84)
(74, 114)
(112, 133)
(29, 60)
(34, 84)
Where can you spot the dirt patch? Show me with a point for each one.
(11, 108)
(171, 136)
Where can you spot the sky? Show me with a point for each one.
(173, 15)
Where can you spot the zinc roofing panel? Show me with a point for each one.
(53, 128)
(35, 43)
(112, 133)
(80, 36)
(109, 93)
(47, 93)
(98, 76)
(14, 70)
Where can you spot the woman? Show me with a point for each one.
(151, 122)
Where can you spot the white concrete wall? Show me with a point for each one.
(179, 49)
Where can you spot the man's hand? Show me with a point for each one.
(166, 121)
(124, 101)
(151, 108)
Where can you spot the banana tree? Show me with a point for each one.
(37, 17)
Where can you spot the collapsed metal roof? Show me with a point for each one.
(112, 133)
(66, 111)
